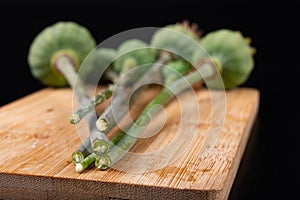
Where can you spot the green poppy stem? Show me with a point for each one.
(66, 67)
(99, 160)
(127, 142)
(85, 163)
(107, 120)
(82, 151)
(79, 114)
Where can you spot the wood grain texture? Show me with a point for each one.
(36, 143)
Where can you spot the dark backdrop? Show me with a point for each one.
(270, 166)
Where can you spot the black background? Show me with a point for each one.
(270, 166)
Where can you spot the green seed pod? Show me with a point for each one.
(232, 54)
(97, 62)
(106, 56)
(132, 53)
(61, 39)
(180, 37)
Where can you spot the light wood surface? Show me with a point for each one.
(36, 143)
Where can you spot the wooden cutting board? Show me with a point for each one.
(194, 156)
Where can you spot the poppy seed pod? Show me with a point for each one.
(231, 52)
(179, 38)
(97, 63)
(132, 53)
(61, 39)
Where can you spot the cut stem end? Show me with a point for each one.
(85, 163)
(100, 147)
(79, 167)
(77, 157)
(74, 118)
(101, 125)
(102, 162)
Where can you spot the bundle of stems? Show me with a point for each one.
(230, 57)
(122, 92)
(130, 53)
(126, 141)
